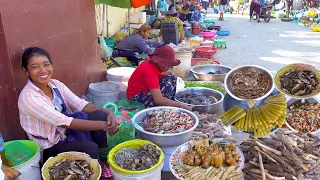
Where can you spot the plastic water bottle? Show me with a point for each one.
(2, 151)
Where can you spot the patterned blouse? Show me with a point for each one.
(179, 23)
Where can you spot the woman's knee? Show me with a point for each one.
(97, 115)
(90, 148)
(170, 78)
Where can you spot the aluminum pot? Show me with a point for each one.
(215, 108)
(201, 72)
(227, 81)
(164, 140)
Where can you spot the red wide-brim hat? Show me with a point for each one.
(165, 57)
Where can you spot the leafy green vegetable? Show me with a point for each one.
(210, 85)
(121, 60)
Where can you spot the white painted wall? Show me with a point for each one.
(116, 18)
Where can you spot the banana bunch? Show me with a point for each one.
(259, 120)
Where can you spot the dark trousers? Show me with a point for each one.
(254, 7)
(99, 140)
(128, 54)
(205, 5)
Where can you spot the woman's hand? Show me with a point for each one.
(112, 125)
(167, 73)
(189, 108)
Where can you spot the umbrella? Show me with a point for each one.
(124, 3)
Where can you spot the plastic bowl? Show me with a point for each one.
(119, 74)
(217, 28)
(207, 43)
(208, 34)
(223, 33)
(135, 144)
(302, 67)
(33, 146)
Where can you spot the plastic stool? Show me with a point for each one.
(220, 43)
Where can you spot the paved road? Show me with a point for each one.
(271, 45)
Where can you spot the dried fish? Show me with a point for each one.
(299, 83)
(196, 99)
(167, 121)
(123, 154)
(71, 170)
(144, 158)
(250, 84)
(217, 72)
(210, 126)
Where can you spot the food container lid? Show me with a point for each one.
(18, 153)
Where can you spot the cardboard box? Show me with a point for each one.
(138, 17)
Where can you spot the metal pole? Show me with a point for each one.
(129, 18)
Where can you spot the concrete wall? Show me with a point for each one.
(116, 17)
(67, 29)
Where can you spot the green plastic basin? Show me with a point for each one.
(31, 145)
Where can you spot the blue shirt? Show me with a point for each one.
(261, 2)
(135, 43)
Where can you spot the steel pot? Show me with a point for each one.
(164, 140)
(215, 108)
(201, 72)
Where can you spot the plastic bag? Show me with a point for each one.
(1, 173)
(126, 132)
(120, 35)
(106, 51)
(117, 107)
(180, 84)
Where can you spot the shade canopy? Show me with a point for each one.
(124, 3)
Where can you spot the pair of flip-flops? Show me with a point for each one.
(106, 172)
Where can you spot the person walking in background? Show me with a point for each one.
(205, 4)
(183, 11)
(196, 16)
(222, 6)
(162, 5)
(192, 7)
(240, 7)
(255, 6)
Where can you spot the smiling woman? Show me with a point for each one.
(55, 117)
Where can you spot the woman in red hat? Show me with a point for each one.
(150, 83)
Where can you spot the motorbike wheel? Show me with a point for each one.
(254, 16)
(267, 16)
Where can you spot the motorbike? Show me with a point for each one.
(265, 13)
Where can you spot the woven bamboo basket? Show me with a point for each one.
(96, 168)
